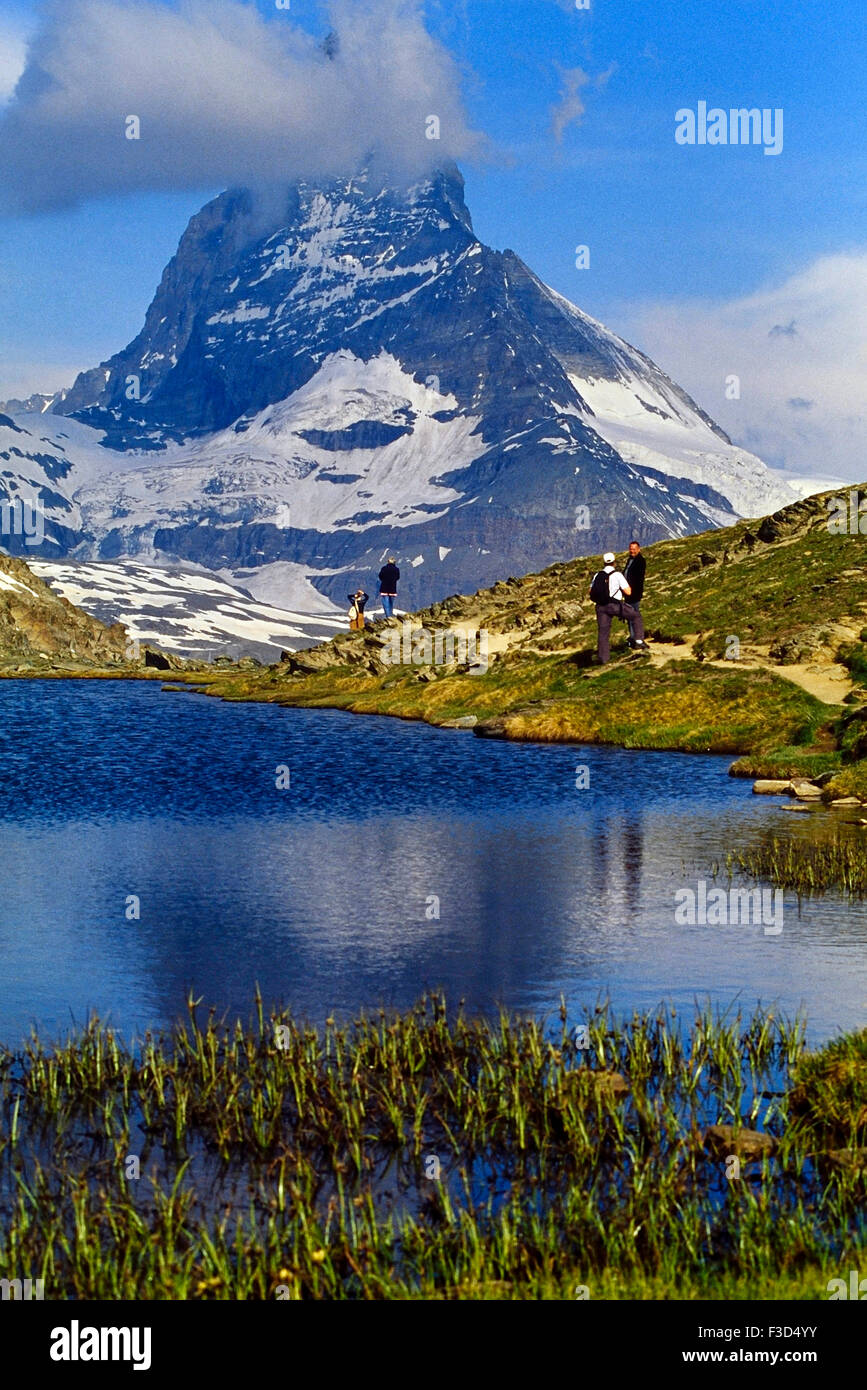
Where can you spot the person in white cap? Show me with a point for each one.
(609, 592)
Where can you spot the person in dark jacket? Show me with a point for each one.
(388, 577)
(636, 567)
(619, 592)
(356, 612)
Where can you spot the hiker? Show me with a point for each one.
(609, 591)
(388, 577)
(356, 612)
(636, 566)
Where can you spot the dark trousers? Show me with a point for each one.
(631, 622)
(604, 613)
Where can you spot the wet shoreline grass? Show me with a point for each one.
(806, 867)
(432, 1155)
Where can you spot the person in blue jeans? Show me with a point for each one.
(388, 577)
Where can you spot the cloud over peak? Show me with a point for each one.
(221, 96)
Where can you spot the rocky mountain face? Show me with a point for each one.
(349, 372)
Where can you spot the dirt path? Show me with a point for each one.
(830, 683)
(826, 681)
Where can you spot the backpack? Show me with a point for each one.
(600, 591)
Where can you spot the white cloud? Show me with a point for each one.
(13, 56)
(799, 350)
(570, 106)
(223, 97)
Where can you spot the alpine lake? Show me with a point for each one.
(157, 844)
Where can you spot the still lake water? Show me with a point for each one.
(322, 893)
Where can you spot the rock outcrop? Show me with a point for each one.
(39, 629)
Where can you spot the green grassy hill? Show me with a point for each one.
(759, 649)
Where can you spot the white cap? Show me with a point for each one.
(608, 558)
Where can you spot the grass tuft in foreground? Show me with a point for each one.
(806, 866)
(433, 1156)
(830, 1095)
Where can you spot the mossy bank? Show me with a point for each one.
(758, 649)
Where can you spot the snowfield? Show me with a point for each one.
(652, 429)
(265, 470)
(188, 612)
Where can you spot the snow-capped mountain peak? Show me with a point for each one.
(348, 372)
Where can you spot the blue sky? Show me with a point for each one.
(692, 248)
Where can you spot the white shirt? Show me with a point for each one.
(617, 585)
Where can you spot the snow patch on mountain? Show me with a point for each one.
(189, 612)
(651, 429)
(42, 461)
(266, 469)
(286, 585)
(243, 314)
(810, 486)
(10, 585)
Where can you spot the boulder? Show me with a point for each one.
(770, 530)
(158, 661)
(313, 659)
(491, 728)
(847, 1158)
(823, 778)
(806, 791)
(801, 646)
(465, 721)
(495, 727)
(569, 613)
(772, 786)
(611, 1083)
(846, 801)
(746, 1143)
